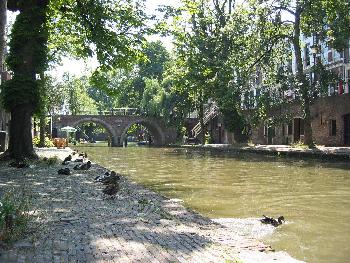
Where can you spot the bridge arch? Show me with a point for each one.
(110, 130)
(154, 128)
(117, 126)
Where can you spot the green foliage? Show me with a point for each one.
(111, 30)
(20, 90)
(117, 88)
(153, 98)
(208, 138)
(76, 95)
(14, 215)
(29, 26)
(26, 60)
(50, 161)
(299, 145)
(156, 57)
(47, 143)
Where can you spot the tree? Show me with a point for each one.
(154, 64)
(213, 40)
(3, 18)
(127, 86)
(113, 31)
(327, 20)
(76, 95)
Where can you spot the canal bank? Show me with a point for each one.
(320, 152)
(78, 225)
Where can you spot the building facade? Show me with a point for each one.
(330, 113)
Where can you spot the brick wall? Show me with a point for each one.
(323, 111)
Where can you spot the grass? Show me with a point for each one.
(50, 161)
(299, 145)
(14, 215)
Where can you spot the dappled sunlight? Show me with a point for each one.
(137, 224)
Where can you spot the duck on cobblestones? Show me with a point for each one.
(84, 155)
(84, 166)
(67, 160)
(113, 178)
(64, 171)
(107, 177)
(111, 189)
(99, 178)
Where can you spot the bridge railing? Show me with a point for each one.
(114, 111)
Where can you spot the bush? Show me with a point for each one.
(50, 161)
(48, 142)
(14, 215)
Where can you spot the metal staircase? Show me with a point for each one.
(209, 114)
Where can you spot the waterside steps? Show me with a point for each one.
(209, 114)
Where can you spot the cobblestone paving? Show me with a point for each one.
(77, 223)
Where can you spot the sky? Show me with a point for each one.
(79, 67)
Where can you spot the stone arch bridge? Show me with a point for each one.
(117, 126)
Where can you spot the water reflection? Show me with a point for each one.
(313, 196)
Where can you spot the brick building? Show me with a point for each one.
(330, 114)
(330, 123)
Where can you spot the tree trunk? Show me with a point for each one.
(3, 20)
(25, 60)
(301, 78)
(20, 143)
(42, 126)
(201, 121)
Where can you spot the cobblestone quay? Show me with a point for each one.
(76, 223)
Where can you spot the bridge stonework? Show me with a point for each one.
(117, 126)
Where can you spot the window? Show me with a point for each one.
(307, 55)
(348, 90)
(340, 87)
(258, 92)
(330, 56)
(271, 131)
(301, 126)
(332, 128)
(332, 89)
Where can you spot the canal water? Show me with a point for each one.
(313, 196)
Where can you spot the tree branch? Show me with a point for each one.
(284, 9)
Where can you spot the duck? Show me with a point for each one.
(64, 171)
(84, 166)
(83, 155)
(272, 221)
(111, 189)
(113, 178)
(67, 160)
(99, 178)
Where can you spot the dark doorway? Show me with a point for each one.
(347, 129)
(270, 134)
(298, 129)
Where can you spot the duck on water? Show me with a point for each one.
(272, 221)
